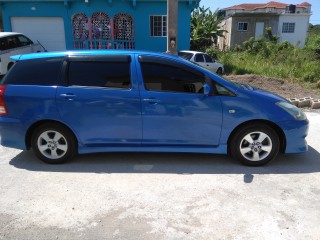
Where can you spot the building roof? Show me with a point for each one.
(272, 4)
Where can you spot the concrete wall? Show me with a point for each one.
(299, 36)
(238, 37)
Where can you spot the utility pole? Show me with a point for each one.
(172, 26)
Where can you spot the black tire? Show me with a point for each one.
(219, 71)
(255, 145)
(53, 143)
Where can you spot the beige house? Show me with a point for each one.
(243, 21)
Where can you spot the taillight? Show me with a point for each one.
(3, 109)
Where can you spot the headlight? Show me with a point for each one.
(292, 110)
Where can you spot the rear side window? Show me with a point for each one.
(100, 74)
(35, 72)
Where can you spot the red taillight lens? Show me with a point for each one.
(3, 109)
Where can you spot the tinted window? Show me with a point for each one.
(35, 72)
(162, 77)
(3, 44)
(208, 58)
(9, 43)
(185, 55)
(199, 58)
(100, 74)
(24, 41)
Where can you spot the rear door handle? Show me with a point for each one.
(151, 100)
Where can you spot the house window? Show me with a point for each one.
(158, 26)
(100, 26)
(123, 27)
(288, 27)
(80, 26)
(242, 26)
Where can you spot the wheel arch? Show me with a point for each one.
(35, 125)
(274, 126)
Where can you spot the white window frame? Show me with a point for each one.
(242, 24)
(153, 30)
(288, 27)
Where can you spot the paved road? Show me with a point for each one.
(161, 196)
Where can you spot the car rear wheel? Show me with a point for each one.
(53, 143)
(255, 145)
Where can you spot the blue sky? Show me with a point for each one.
(214, 4)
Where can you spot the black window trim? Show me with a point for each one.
(101, 58)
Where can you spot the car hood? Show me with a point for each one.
(260, 91)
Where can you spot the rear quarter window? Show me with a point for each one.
(35, 72)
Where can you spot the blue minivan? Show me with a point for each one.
(64, 103)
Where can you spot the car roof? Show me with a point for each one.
(6, 34)
(85, 53)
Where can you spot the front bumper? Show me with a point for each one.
(295, 133)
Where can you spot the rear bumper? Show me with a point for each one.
(11, 133)
(295, 134)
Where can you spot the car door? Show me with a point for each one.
(199, 59)
(210, 63)
(174, 109)
(101, 102)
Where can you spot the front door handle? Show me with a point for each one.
(68, 96)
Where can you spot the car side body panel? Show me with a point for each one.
(136, 119)
(26, 105)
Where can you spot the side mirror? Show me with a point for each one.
(207, 89)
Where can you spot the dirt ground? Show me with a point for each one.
(280, 87)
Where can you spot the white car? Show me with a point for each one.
(12, 43)
(203, 60)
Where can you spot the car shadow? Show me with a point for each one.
(168, 163)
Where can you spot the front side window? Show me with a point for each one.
(167, 78)
(288, 27)
(185, 55)
(242, 26)
(158, 26)
(100, 74)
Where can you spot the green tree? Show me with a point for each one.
(205, 28)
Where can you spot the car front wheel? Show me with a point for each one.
(255, 145)
(53, 143)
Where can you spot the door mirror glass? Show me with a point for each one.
(207, 89)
